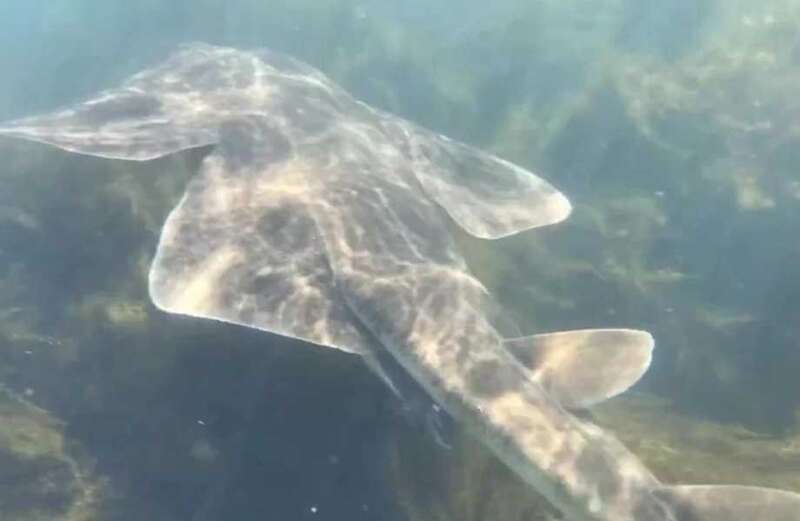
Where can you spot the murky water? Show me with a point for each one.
(674, 130)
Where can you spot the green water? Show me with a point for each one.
(674, 129)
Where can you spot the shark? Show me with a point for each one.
(316, 216)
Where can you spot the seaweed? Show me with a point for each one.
(680, 152)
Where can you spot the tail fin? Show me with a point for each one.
(730, 503)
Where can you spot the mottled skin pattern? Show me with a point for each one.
(398, 270)
(318, 217)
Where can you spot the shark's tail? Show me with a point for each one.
(730, 503)
(585, 367)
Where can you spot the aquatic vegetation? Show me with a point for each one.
(672, 168)
(687, 449)
(727, 111)
(469, 484)
(685, 197)
(40, 479)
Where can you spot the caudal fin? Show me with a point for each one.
(730, 503)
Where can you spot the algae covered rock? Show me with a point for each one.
(39, 479)
(683, 449)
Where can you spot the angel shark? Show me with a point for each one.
(318, 217)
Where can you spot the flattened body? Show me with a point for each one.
(318, 217)
(295, 154)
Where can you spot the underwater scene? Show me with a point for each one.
(442, 260)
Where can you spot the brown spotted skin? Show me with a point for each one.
(318, 217)
(244, 244)
(409, 286)
(584, 367)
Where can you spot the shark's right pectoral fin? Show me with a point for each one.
(730, 503)
(118, 124)
(176, 105)
(581, 368)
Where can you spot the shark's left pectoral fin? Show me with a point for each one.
(581, 368)
(730, 503)
(485, 195)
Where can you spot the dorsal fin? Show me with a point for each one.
(583, 367)
(730, 503)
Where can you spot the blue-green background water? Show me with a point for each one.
(673, 127)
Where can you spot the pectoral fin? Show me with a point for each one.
(118, 124)
(487, 196)
(581, 368)
(730, 503)
(176, 105)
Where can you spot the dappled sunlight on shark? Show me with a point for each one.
(318, 217)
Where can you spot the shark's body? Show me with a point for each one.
(318, 217)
